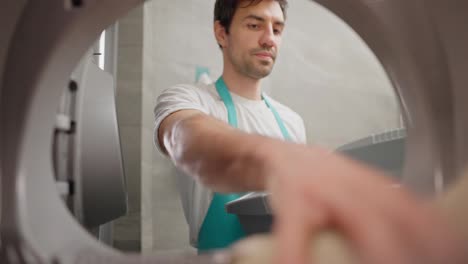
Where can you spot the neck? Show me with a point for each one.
(242, 85)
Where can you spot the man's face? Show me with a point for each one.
(254, 38)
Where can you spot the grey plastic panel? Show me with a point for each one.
(388, 155)
(385, 151)
(374, 139)
(254, 203)
(98, 174)
(51, 36)
(253, 212)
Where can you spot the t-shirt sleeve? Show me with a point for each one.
(176, 98)
(299, 128)
(302, 132)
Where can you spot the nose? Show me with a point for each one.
(268, 38)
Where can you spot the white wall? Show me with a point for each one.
(327, 74)
(324, 72)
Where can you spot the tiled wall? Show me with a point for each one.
(165, 63)
(127, 230)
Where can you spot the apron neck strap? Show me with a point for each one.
(223, 92)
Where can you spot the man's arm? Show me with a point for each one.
(223, 158)
(312, 190)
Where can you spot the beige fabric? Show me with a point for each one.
(330, 248)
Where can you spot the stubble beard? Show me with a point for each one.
(247, 66)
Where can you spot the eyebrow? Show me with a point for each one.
(261, 19)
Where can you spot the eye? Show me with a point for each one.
(253, 26)
(277, 31)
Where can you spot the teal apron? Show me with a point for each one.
(220, 229)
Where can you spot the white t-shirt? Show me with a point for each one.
(253, 117)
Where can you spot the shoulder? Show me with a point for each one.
(185, 91)
(202, 95)
(181, 97)
(285, 111)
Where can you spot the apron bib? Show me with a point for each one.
(220, 229)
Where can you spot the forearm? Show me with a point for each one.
(222, 157)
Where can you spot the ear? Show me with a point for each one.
(220, 34)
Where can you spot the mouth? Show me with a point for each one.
(264, 55)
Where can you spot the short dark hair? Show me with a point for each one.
(225, 9)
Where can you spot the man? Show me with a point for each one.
(230, 138)
(249, 34)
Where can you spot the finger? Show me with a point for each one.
(295, 224)
(373, 238)
(368, 230)
(421, 230)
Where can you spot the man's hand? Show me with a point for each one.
(313, 189)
